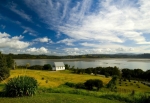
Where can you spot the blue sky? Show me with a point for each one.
(62, 27)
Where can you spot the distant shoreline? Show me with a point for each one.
(92, 59)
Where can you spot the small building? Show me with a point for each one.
(58, 66)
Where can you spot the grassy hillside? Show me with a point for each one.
(126, 86)
(55, 78)
(58, 98)
(51, 88)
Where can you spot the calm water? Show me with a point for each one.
(85, 63)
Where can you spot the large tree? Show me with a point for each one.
(4, 70)
(10, 62)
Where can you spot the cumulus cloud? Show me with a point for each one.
(44, 39)
(34, 50)
(6, 41)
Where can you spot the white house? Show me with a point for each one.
(58, 66)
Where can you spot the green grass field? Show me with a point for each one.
(126, 86)
(58, 98)
(51, 88)
(55, 78)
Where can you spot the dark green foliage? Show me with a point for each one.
(88, 70)
(107, 71)
(4, 70)
(107, 75)
(47, 67)
(80, 86)
(67, 67)
(74, 85)
(112, 83)
(69, 84)
(80, 71)
(133, 74)
(91, 83)
(144, 99)
(10, 62)
(21, 86)
(35, 67)
(98, 83)
(146, 75)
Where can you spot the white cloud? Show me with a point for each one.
(34, 50)
(30, 31)
(21, 13)
(117, 24)
(67, 41)
(44, 39)
(58, 34)
(25, 31)
(6, 41)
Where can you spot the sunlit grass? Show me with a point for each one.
(126, 86)
(55, 78)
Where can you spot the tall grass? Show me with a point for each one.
(125, 97)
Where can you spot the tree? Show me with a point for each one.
(98, 84)
(10, 62)
(27, 65)
(47, 67)
(112, 83)
(89, 84)
(67, 67)
(4, 70)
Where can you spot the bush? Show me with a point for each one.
(20, 86)
(107, 75)
(36, 67)
(112, 83)
(47, 67)
(4, 70)
(89, 84)
(80, 86)
(69, 84)
(144, 99)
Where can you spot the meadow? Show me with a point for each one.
(51, 87)
(58, 98)
(51, 79)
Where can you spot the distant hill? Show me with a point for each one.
(118, 55)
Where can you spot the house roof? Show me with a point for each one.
(60, 64)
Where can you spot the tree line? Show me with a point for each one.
(6, 63)
(43, 56)
(136, 74)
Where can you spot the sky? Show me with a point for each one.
(74, 27)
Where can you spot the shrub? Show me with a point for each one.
(36, 67)
(20, 86)
(47, 67)
(144, 99)
(80, 86)
(89, 84)
(112, 83)
(69, 84)
(107, 75)
(4, 70)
